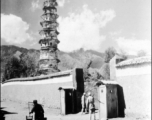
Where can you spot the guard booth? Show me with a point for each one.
(108, 100)
(68, 100)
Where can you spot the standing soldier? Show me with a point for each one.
(38, 110)
(90, 105)
(83, 103)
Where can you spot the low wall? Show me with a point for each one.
(44, 90)
(137, 94)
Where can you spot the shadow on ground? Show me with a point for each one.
(4, 112)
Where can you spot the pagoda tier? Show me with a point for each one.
(50, 3)
(50, 10)
(49, 17)
(49, 24)
(49, 40)
(45, 54)
(46, 44)
(49, 43)
(48, 66)
(48, 31)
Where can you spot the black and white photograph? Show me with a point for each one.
(75, 60)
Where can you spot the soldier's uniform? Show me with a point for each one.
(38, 110)
(83, 103)
(90, 105)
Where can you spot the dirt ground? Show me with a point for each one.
(19, 111)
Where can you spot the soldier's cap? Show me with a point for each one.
(34, 101)
(89, 94)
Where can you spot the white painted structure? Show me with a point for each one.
(135, 66)
(134, 76)
(43, 88)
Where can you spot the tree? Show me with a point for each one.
(123, 54)
(12, 69)
(109, 53)
(26, 66)
(105, 71)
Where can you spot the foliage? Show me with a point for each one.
(28, 66)
(109, 53)
(12, 69)
(23, 67)
(123, 54)
(91, 75)
(9, 50)
(105, 71)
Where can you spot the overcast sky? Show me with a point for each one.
(88, 24)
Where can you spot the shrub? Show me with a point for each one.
(25, 66)
(12, 69)
(105, 71)
(109, 53)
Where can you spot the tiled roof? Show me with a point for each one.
(66, 87)
(139, 60)
(106, 82)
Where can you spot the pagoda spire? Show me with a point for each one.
(48, 62)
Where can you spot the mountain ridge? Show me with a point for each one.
(69, 60)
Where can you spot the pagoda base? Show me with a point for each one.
(48, 71)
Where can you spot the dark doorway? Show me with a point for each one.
(68, 101)
(79, 80)
(121, 102)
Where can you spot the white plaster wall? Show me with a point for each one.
(45, 91)
(137, 94)
(136, 83)
(133, 70)
(113, 68)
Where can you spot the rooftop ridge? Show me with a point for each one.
(138, 60)
(36, 78)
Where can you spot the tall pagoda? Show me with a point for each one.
(48, 62)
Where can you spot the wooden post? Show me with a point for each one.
(103, 102)
(63, 104)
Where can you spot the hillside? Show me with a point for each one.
(8, 51)
(79, 58)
